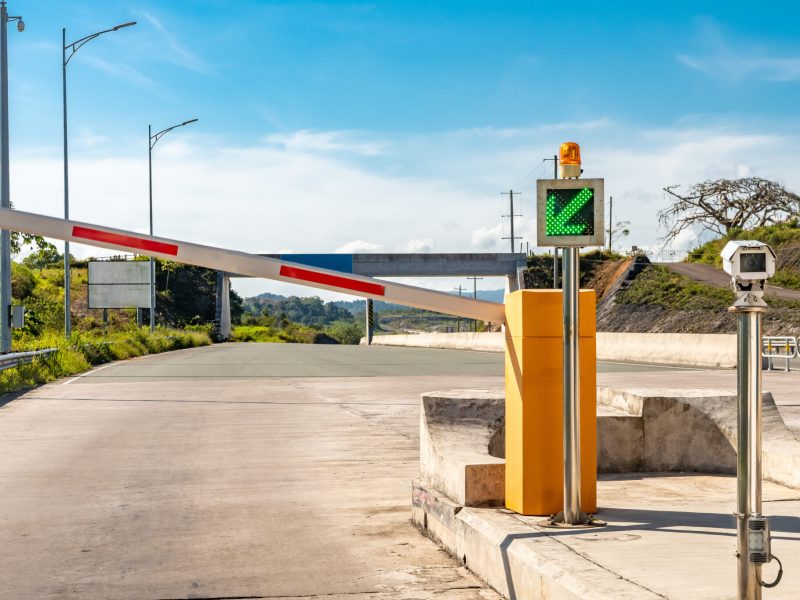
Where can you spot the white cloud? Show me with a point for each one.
(120, 70)
(358, 246)
(738, 60)
(487, 238)
(416, 245)
(176, 53)
(326, 141)
(442, 186)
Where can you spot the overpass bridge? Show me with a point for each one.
(433, 264)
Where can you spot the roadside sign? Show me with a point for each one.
(569, 212)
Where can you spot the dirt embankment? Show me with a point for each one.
(607, 274)
(782, 317)
(649, 318)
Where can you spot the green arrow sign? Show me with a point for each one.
(569, 212)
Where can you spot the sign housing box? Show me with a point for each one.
(570, 212)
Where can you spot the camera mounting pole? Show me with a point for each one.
(749, 264)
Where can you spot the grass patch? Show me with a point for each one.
(87, 350)
(777, 236)
(660, 286)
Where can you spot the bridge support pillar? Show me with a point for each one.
(534, 407)
(223, 305)
(370, 321)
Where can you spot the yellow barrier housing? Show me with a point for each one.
(534, 402)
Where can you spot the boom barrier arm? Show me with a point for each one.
(253, 265)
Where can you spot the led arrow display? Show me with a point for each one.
(569, 212)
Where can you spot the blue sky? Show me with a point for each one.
(392, 125)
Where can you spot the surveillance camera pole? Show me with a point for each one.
(748, 308)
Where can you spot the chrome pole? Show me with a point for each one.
(571, 366)
(748, 457)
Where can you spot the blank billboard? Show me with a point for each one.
(119, 284)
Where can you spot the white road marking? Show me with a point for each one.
(87, 373)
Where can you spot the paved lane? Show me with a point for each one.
(194, 475)
(233, 471)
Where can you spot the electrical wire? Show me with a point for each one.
(779, 576)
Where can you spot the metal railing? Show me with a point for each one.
(16, 359)
(779, 346)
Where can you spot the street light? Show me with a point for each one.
(65, 58)
(5, 195)
(153, 139)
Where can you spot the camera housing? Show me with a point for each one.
(748, 261)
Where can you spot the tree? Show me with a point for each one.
(620, 229)
(45, 256)
(727, 205)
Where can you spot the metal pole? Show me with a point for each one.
(748, 456)
(370, 320)
(5, 198)
(555, 250)
(572, 433)
(511, 218)
(67, 316)
(152, 261)
(610, 219)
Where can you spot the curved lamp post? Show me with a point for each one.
(153, 139)
(67, 52)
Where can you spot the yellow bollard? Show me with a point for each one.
(534, 405)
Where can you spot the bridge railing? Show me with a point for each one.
(16, 359)
(781, 347)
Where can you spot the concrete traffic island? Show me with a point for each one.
(670, 534)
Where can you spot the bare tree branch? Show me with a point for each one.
(724, 205)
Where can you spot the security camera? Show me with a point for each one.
(748, 260)
(749, 263)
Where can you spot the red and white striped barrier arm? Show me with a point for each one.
(253, 265)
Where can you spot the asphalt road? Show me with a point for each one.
(717, 278)
(233, 471)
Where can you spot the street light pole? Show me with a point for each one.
(65, 58)
(152, 140)
(5, 194)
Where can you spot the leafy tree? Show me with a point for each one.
(46, 255)
(727, 205)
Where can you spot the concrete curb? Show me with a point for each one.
(687, 349)
(521, 562)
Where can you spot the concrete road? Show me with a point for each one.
(233, 471)
(718, 278)
(227, 472)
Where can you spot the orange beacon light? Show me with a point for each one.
(569, 163)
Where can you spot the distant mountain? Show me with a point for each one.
(267, 296)
(357, 306)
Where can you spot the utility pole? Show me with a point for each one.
(474, 295)
(511, 216)
(610, 220)
(556, 286)
(459, 289)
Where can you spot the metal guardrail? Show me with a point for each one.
(15, 359)
(779, 346)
